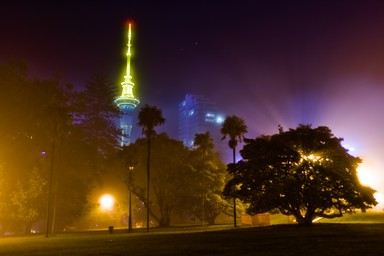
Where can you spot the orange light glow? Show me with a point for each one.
(107, 202)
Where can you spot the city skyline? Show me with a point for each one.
(270, 62)
(282, 58)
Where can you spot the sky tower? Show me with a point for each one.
(127, 101)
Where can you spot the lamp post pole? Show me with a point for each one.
(234, 198)
(130, 200)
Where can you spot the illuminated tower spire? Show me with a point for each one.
(127, 101)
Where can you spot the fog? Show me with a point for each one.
(350, 108)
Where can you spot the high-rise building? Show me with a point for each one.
(127, 101)
(198, 114)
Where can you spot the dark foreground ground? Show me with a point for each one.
(321, 239)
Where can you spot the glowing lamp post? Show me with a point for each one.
(107, 202)
(130, 199)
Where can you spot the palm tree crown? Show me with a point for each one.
(234, 127)
(150, 117)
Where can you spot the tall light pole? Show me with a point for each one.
(148, 179)
(51, 186)
(203, 208)
(234, 198)
(130, 199)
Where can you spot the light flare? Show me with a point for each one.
(107, 202)
(369, 177)
(379, 197)
(365, 175)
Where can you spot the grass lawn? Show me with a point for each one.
(320, 239)
(368, 217)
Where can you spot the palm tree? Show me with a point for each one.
(234, 127)
(204, 143)
(149, 117)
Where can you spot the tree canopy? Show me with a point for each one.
(169, 176)
(48, 127)
(304, 172)
(209, 174)
(234, 127)
(150, 117)
(177, 175)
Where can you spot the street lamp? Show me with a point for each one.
(106, 202)
(130, 199)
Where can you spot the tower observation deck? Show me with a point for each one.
(127, 102)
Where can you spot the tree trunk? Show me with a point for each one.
(27, 228)
(148, 179)
(211, 220)
(2, 229)
(211, 217)
(164, 222)
(304, 221)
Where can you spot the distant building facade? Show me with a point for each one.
(198, 114)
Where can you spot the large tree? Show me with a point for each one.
(210, 174)
(84, 135)
(149, 117)
(171, 184)
(31, 110)
(96, 113)
(233, 127)
(176, 179)
(304, 172)
(56, 133)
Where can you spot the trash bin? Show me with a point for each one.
(110, 229)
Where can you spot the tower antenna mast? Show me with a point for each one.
(127, 102)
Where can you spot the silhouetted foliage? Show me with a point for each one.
(169, 177)
(176, 179)
(304, 172)
(97, 114)
(233, 127)
(46, 126)
(209, 176)
(32, 110)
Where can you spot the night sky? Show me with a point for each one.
(270, 62)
